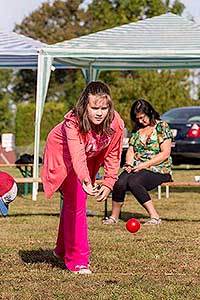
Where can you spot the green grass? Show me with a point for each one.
(158, 262)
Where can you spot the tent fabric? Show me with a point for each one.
(18, 51)
(21, 52)
(163, 41)
(166, 41)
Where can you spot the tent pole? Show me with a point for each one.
(90, 74)
(37, 126)
(43, 75)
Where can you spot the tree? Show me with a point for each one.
(5, 96)
(25, 119)
(64, 20)
(53, 23)
(164, 89)
(5, 116)
(119, 12)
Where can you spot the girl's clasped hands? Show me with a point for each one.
(101, 192)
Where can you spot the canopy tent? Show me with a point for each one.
(166, 41)
(21, 52)
(18, 51)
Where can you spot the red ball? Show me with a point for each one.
(132, 225)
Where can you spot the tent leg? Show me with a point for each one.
(35, 191)
(43, 76)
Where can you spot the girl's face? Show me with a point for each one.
(97, 109)
(143, 119)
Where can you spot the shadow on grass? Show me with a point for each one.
(41, 256)
(180, 220)
(14, 215)
(47, 214)
(125, 216)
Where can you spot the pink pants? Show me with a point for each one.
(72, 242)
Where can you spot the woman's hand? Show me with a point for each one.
(102, 193)
(88, 187)
(128, 167)
(141, 166)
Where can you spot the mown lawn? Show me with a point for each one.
(158, 262)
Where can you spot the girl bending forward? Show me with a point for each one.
(90, 135)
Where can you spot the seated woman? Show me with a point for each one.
(148, 161)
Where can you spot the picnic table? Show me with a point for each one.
(27, 172)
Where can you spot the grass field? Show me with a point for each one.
(158, 262)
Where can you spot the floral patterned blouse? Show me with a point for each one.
(145, 150)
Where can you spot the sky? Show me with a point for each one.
(12, 12)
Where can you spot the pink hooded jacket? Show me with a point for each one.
(65, 149)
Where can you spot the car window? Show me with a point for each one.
(178, 115)
(194, 119)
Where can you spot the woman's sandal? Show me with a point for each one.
(110, 221)
(153, 221)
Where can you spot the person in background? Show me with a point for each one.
(8, 191)
(148, 161)
(90, 135)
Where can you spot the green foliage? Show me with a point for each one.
(70, 86)
(5, 116)
(163, 89)
(25, 86)
(24, 127)
(177, 7)
(5, 81)
(53, 114)
(52, 23)
(6, 124)
(25, 118)
(63, 20)
(119, 12)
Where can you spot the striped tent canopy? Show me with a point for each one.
(21, 52)
(18, 51)
(166, 41)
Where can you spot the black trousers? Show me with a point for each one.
(138, 183)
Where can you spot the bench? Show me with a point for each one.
(27, 172)
(167, 185)
(27, 181)
(15, 165)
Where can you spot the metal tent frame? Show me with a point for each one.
(166, 41)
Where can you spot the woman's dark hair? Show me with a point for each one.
(101, 90)
(143, 106)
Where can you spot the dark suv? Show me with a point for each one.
(185, 125)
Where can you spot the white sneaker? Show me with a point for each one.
(81, 270)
